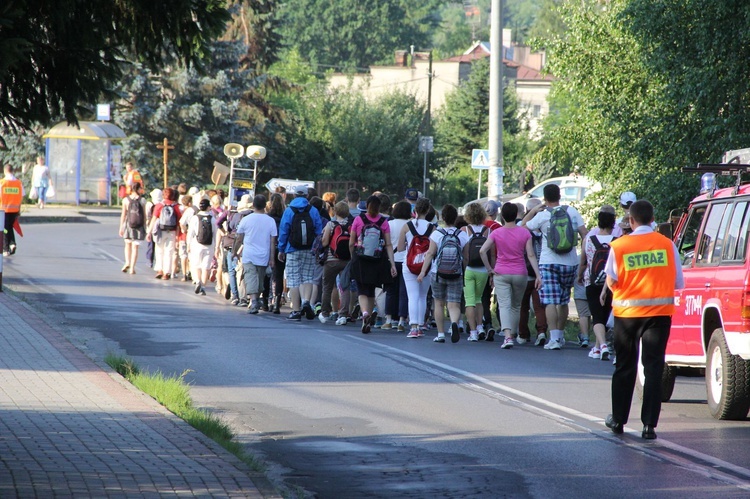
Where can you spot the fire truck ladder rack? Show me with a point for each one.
(731, 167)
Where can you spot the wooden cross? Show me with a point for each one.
(166, 148)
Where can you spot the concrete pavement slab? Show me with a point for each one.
(69, 428)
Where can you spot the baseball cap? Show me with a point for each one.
(627, 198)
(491, 208)
(411, 194)
(300, 190)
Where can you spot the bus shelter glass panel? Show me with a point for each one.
(63, 168)
(94, 186)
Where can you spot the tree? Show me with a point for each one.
(338, 134)
(356, 33)
(463, 125)
(198, 113)
(59, 57)
(618, 123)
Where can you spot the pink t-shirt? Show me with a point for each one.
(510, 245)
(358, 224)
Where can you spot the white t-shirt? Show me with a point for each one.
(437, 237)
(193, 226)
(540, 222)
(590, 249)
(258, 229)
(396, 225)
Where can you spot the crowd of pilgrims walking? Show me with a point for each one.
(394, 266)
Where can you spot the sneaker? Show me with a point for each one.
(413, 333)
(322, 318)
(521, 341)
(583, 341)
(253, 309)
(366, 320)
(308, 311)
(460, 326)
(386, 325)
(197, 288)
(295, 316)
(604, 352)
(455, 334)
(490, 334)
(421, 330)
(235, 301)
(12, 248)
(243, 303)
(553, 345)
(595, 353)
(400, 328)
(356, 312)
(341, 321)
(507, 343)
(317, 308)
(474, 336)
(440, 338)
(379, 322)
(541, 339)
(203, 291)
(373, 318)
(481, 335)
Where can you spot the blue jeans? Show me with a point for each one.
(232, 270)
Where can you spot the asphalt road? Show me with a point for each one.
(339, 414)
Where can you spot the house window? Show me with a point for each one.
(537, 111)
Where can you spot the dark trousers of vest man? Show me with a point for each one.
(10, 234)
(652, 333)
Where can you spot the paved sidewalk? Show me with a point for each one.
(68, 428)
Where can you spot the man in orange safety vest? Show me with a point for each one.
(11, 196)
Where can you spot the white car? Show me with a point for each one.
(572, 188)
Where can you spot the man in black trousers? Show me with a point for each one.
(643, 270)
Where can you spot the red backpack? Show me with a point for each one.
(417, 248)
(340, 241)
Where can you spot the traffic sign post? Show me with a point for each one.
(426, 145)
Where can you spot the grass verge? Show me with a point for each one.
(174, 394)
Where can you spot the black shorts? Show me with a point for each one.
(599, 313)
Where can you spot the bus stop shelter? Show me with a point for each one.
(83, 161)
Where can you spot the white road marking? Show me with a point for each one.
(652, 448)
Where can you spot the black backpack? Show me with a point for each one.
(205, 230)
(601, 253)
(302, 232)
(136, 215)
(475, 243)
(168, 217)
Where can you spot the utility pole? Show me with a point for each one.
(428, 131)
(495, 174)
(165, 145)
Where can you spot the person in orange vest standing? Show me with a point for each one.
(131, 177)
(643, 271)
(11, 196)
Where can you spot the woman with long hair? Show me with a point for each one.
(275, 210)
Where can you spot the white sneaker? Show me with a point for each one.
(605, 352)
(322, 318)
(595, 353)
(440, 338)
(474, 336)
(553, 345)
(341, 321)
(541, 339)
(520, 340)
(507, 343)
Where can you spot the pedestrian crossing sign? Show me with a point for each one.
(480, 159)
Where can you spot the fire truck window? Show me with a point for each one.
(710, 234)
(690, 235)
(734, 247)
(720, 235)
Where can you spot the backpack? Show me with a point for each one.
(475, 243)
(561, 236)
(418, 247)
(450, 259)
(319, 251)
(168, 217)
(339, 244)
(601, 253)
(136, 215)
(302, 232)
(205, 230)
(370, 244)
